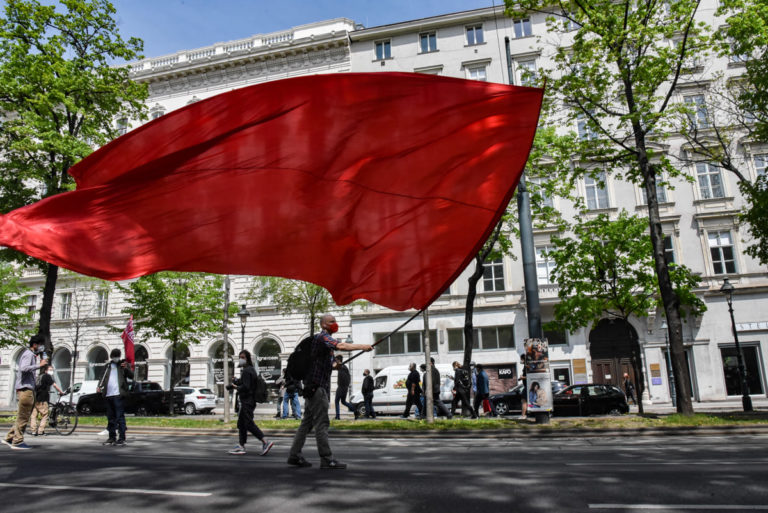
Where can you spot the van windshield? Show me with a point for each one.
(381, 382)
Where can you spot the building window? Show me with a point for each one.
(731, 370)
(541, 196)
(493, 276)
(698, 111)
(586, 132)
(65, 305)
(475, 35)
(597, 195)
(408, 342)
(526, 72)
(669, 249)
(31, 303)
(477, 73)
(383, 49)
(489, 338)
(544, 264)
(556, 337)
(523, 28)
(710, 180)
(761, 162)
(428, 42)
(122, 126)
(661, 194)
(721, 248)
(102, 300)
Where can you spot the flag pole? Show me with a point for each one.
(226, 348)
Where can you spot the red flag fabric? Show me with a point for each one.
(127, 337)
(380, 186)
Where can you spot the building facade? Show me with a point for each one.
(700, 220)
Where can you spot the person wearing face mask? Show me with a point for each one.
(42, 397)
(25, 391)
(113, 386)
(317, 390)
(367, 391)
(246, 390)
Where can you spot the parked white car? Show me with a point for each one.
(390, 394)
(79, 389)
(198, 400)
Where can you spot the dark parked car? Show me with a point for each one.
(590, 399)
(502, 404)
(145, 397)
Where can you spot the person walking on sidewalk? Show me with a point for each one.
(629, 389)
(25, 391)
(113, 386)
(42, 398)
(342, 385)
(292, 389)
(439, 406)
(462, 383)
(367, 391)
(317, 391)
(280, 382)
(246, 390)
(414, 392)
(482, 388)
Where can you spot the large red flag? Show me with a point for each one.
(380, 186)
(127, 337)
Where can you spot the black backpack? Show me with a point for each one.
(464, 380)
(300, 360)
(260, 392)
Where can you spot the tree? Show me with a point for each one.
(60, 93)
(293, 296)
(183, 308)
(615, 72)
(606, 270)
(14, 315)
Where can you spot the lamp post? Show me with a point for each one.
(670, 372)
(243, 314)
(746, 401)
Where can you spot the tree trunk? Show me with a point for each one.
(49, 292)
(637, 365)
(173, 368)
(469, 311)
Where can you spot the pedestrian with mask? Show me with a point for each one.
(113, 386)
(483, 388)
(414, 391)
(440, 407)
(246, 390)
(25, 391)
(342, 385)
(317, 391)
(462, 383)
(42, 398)
(367, 391)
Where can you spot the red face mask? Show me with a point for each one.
(333, 327)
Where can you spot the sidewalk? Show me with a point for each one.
(758, 403)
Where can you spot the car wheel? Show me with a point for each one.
(85, 409)
(360, 410)
(501, 408)
(615, 411)
(141, 411)
(189, 409)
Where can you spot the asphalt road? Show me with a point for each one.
(164, 473)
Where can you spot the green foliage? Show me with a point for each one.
(13, 311)
(184, 308)
(606, 269)
(756, 217)
(293, 296)
(60, 93)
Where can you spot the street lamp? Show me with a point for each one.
(243, 314)
(672, 388)
(746, 401)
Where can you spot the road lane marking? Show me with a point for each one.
(657, 463)
(110, 490)
(697, 507)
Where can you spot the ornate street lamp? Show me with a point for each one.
(243, 314)
(670, 372)
(746, 401)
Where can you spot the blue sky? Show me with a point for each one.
(167, 26)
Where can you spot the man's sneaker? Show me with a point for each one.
(110, 442)
(120, 443)
(298, 461)
(7, 442)
(22, 446)
(265, 447)
(237, 450)
(333, 464)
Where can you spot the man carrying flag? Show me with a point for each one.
(127, 337)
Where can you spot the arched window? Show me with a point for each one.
(141, 373)
(180, 374)
(267, 354)
(216, 367)
(97, 363)
(62, 365)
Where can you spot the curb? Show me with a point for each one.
(506, 434)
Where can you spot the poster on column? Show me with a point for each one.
(538, 379)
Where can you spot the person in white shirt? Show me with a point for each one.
(114, 388)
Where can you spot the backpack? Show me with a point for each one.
(260, 392)
(300, 360)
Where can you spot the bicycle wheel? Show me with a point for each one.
(65, 419)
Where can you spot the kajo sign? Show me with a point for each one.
(507, 372)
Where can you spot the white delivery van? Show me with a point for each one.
(78, 389)
(390, 394)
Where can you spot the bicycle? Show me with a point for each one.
(63, 417)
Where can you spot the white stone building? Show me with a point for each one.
(700, 218)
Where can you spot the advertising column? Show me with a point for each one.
(538, 377)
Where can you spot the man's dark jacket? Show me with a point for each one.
(368, 385)
(343, 378)
(122, 374)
